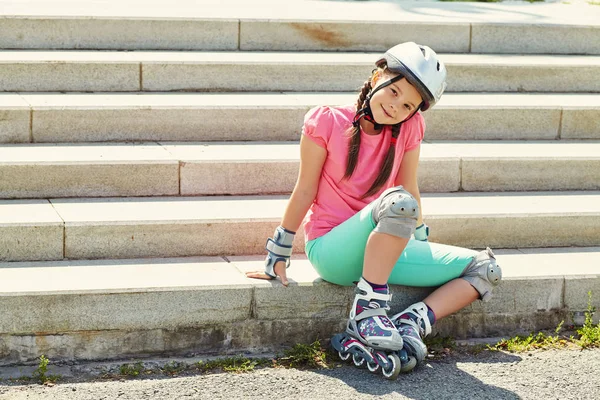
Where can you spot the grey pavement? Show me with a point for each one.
(554, 374)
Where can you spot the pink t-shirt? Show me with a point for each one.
(339, 199)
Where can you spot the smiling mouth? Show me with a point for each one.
(386, 113)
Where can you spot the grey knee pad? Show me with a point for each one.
(483, 273)
(396, 212)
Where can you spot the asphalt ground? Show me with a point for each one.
(541, 374)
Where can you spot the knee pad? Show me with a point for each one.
(395, 212)
(483, 273)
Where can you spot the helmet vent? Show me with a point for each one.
(438, 66)
(423, 51)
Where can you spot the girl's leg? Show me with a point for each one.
(353, 249)
(477, 273)
(338, 255)
(451, 297)
(381, 253)
(368, 323)
(425, 264)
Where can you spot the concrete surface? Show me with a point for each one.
(103, 309)
(30, 230)
(303, 25)
(218, 117)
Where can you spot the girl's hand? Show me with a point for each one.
(279, 269)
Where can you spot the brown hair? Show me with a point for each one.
(354, 145)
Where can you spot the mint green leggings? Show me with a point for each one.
(338, 256)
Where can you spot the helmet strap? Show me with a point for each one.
(365, 112)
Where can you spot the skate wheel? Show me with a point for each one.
(358, 360)
(403, 354)
(373, 367)
(393, 372)
(344, 355)
(409, 365)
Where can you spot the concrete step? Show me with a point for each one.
(157, 169)
(266, 116)
(302, 25)
(80, 170)
(114, 309)
(209, 169)
(44, 71)
(223, 226)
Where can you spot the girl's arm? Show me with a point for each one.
(312, 158)
(407, 177)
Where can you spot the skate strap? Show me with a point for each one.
(371, 312)
(424, 329)
(277, 249)
(380, 296)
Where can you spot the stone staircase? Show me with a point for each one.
(137, 143)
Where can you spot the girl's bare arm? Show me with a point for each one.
(407, 177)
(312, 158)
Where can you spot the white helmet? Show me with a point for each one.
(421, 67)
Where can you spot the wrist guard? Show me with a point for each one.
(279, 248)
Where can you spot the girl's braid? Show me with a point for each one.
(363, 94)
(354, 144)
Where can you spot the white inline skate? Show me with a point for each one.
(413, 325)
(371, 339)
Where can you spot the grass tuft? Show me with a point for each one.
(237, 364)
(132, 370)
(521, 343)
(41, 372)
(589, 334)
(438, 346)
(304, 356)
(174, 368)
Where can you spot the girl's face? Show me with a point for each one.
(394, 103)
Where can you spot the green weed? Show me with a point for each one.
(589, 334)
(301, 355)
(304, 355)
(41, 372)
(132, 370)
(174, 367)
(238, 364)
(438, 346)
(437, 343)
(478, 348)
(521, 343)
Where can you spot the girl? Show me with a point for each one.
(358, 194)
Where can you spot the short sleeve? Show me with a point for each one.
(318, 123)
(415, 131)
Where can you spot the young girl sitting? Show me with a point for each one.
(358, 195)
